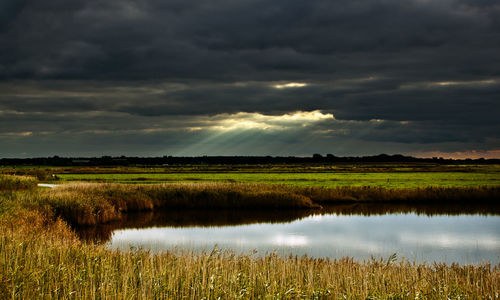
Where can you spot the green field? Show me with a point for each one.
(327, 179)
(389, 175)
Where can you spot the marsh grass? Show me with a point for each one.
(15, 183)
(422, 195)
(41, 258)
(44, 260)
(94, 203)
(90, 204)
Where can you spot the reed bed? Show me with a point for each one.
(15, 183)
(95, 203)
(423, 195)
(90, 204)
(41, 258)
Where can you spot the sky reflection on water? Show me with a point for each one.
(463, 239)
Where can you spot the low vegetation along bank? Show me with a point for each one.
(40, 257)
(94, 203)
(89, 204)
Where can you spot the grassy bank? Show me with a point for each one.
(41, 258)
(422, 195)
(90, 204)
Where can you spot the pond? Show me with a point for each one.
(420, 234)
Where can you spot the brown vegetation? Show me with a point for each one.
(41, 258)
(90, 204)
(430, 194)
(15, 183)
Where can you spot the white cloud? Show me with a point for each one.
(244, 121)
(444, 84)
(466, 83)
(290, 85)
(22, 133)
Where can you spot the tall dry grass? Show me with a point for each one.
(15, 183)
(94, 203)
(423, 195)
(41, 259)
(90, 204)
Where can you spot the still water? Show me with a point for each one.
(420, 237)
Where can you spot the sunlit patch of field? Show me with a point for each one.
(329, 179)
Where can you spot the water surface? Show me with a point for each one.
(359, 232)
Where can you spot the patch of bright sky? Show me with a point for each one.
(472, 82)
(22, 133)
(469, 83)
(290, 85)
(244, 121)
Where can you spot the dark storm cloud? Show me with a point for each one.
(250, 39)
(131, 71)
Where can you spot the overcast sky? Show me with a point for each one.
(249, 77)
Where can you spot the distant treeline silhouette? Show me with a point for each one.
(232, 160)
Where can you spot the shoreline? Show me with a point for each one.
(99, 203)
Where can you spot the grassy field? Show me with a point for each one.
(381, 175)
(41, 257)
(330, 179)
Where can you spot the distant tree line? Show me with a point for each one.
(232, 160)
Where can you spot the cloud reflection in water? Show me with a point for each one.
(465, 239)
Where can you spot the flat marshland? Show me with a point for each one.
(94, 203)
(40, 255)
(361, 176)
(379, 175)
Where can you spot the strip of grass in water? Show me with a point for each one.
(382, 179)
(95, 203)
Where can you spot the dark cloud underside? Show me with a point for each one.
(157, 77)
